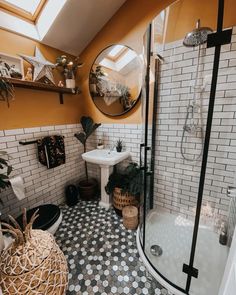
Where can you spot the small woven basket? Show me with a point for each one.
(33, 263)
(130, 217)
(122, 200)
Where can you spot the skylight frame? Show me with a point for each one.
(33, 30)
(21, 13)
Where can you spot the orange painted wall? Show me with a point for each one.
(31, 107)
(127, 27)
(34, 108)
(130, 23)
(184, 14)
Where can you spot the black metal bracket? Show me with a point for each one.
(61, 98)
(219, 38)
(191, 271)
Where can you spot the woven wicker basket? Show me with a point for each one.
(33, 264)
(130, 217)
(122, 200)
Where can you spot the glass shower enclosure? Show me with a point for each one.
(188, 153)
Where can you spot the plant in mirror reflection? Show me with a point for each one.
(125, 96)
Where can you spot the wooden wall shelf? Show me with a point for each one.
(43, 87)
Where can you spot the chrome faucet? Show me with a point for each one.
(111, 148)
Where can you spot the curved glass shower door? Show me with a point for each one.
(184, 207)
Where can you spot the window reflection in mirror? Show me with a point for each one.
(115, 80)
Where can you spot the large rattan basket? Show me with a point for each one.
(122, 200)
(33, 264)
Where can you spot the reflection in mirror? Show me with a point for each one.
(115, 80)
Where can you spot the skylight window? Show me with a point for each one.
(116, 50)
(26, 5)
(31, 18)
(118, 65)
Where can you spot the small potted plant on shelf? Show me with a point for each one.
(119, 146)
(6, 90)
(87, 187)
(125, 186)
(5, 171)
(69, 69)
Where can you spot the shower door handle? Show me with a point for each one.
(141, 146)
(148, 171)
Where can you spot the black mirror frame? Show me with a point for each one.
(138, 98)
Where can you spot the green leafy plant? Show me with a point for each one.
(119, 145)
(69, 67)
(95, 79)
(6, 91)
(89, 127)
(129, 180)
(95, 76)
(4, 176)
(125, 97)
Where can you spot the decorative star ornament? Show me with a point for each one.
(42, 67)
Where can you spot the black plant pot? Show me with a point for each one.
(118, 149)
(88, 190)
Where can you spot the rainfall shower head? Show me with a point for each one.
(197, 37)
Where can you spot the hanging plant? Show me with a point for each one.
(6, 90)
(4, 176)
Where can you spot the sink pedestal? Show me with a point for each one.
(105, 198)
(106, 159)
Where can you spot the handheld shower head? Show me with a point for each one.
(197, 37)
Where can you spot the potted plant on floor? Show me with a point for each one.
(6, 90)
(87, 187)
(5, 171)
(125, 186)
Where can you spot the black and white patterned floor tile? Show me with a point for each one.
(102, 255)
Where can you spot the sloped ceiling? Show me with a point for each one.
(78, 23)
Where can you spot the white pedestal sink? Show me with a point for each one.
(105, 159)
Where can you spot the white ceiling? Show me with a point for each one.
(78, 23)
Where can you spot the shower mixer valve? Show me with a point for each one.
(231, 191)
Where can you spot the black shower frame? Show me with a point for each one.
(214, 40)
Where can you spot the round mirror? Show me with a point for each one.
(115, 80)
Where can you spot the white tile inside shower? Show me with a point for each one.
(176, 180)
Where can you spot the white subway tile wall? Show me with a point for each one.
(130, 134)
(42, 185)
(177, 180)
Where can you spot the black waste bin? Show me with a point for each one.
(71, 195)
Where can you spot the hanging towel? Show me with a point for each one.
(17, 185)
(51, 151)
